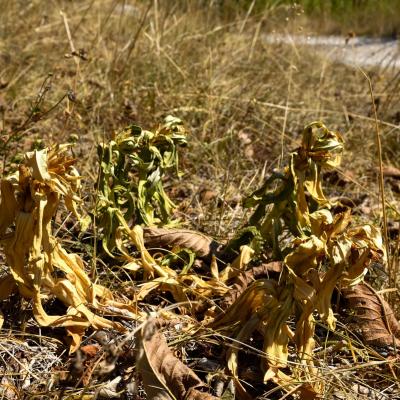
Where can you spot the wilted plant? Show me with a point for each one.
(132, 168)
(131, 191)
(321, 251)
(325, 252)
(286, 191)
(40, 268)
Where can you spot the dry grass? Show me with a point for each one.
(244, 101)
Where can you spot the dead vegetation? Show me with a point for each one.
(252, 266)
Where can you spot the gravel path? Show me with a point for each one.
(361, 52)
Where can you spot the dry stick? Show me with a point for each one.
(255, 38)
(156, 27)
(77, 63)
(131, 46)
(31, 117)
(247, 16)
(381, 181)
(19, 363)
(83, 16)
(103, 24)
(168, 57)
(71, 43)
(286, 114)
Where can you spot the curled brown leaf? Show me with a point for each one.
(243, 280)
(371, 315)
(201, 244)
(391, 172)
(165, 377)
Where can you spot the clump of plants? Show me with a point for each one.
(130, 184)
(322, 252)
(275, 279)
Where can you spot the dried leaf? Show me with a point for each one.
(373, 317)
(238, 265)
(207, 195)
(259, 294)
(391, 172)
(233, 354)
(164, 376)
(306, 254)
(109, 389)
(8, 205)
(243, 280)
(265, 307)
(201, 244)
(90, 349)
(37, 160)
(7, 286)
(276, 332)
(149, 264)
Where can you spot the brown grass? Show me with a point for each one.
(241, 98)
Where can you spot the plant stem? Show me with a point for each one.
(381, 180)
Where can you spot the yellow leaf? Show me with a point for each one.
(8, 205)
(238, 265)
(306, 255)
(37, 161)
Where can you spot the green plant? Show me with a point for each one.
(132, 168)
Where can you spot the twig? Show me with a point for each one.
(247, 17)
(71, 43)
(132, 44)
(381, 179)
(34, 116)
(286, 114)
(76, 57)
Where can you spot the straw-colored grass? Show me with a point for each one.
(98, 66)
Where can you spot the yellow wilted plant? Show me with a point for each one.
(324, 252)
(40, 267)
(320, 148)
(183, 285)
